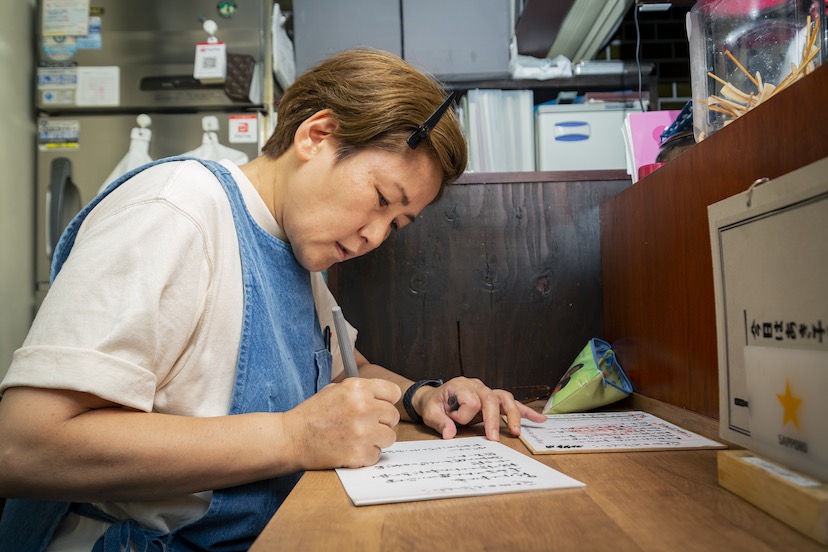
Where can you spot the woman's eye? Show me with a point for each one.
(384, 203)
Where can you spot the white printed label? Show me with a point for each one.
(210, 61)
(788, 475)
(64, 17)
(99, 86)
(243, 129)
(57, 96)
(58, 134)
(57, 77)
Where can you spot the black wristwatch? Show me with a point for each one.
(409, 408)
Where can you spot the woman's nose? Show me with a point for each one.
(374, 233)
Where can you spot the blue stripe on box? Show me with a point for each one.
(572, 136)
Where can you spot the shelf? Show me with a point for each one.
(628, 80)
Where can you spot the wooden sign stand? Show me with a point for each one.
(796, 499)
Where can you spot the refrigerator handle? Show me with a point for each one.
(62, 204)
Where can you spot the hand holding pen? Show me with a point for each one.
(348, 424)
(343, 425)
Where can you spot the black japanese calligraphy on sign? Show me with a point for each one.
(788, 330)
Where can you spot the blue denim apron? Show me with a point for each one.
(282, 361)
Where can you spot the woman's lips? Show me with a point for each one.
(341, 251)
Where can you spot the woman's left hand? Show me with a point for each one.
(477, 402)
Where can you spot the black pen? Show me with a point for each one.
(453, 403)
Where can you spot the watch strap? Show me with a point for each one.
(409, 394)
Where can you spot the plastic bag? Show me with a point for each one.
(593, 379)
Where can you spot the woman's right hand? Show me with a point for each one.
(344, 425)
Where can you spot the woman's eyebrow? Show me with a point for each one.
(405, 200)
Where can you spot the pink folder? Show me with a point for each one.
(645, 130)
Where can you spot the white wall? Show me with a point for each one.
(17, 191)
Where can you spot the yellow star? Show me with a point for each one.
(790, 403)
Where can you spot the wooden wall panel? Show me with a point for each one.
(659, 304)
(514, 257)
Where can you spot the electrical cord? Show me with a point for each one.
(638, 56)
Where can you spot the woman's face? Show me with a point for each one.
(335, 212)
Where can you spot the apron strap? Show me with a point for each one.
(122, 534)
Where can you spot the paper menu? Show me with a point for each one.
(608, 432)
(428, 470)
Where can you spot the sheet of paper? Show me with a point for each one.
(65, 17)
(428, 470)
(98, 86)
(608, 432)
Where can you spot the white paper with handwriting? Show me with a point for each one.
(608, 432)
(427, 470)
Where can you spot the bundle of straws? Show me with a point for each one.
(735, 103)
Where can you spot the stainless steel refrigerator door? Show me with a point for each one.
(76, 155)
(152, 43)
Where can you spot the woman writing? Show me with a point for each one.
(176, 381)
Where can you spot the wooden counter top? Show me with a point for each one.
(632, 501)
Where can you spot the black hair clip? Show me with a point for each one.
(423, 130)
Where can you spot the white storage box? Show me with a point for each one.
(572, 137)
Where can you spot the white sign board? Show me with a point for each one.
(770, 270)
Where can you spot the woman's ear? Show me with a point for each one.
(314, 132)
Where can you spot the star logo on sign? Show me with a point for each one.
(790, 404)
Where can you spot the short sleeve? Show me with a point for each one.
(121, 312)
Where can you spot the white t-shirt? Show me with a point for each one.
(146, 312)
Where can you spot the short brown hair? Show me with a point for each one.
(377, 101)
